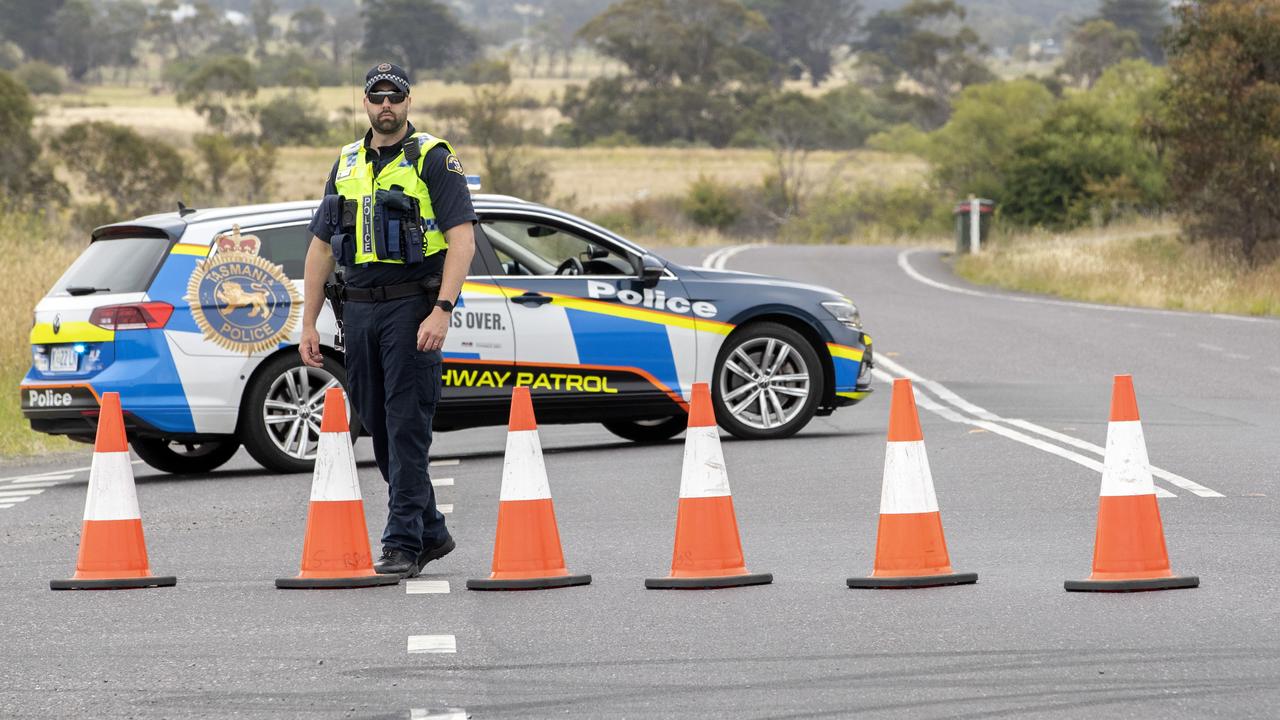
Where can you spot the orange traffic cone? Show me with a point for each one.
(335, 553)
(526, 548)
(113, 553)
(708, 551)
(911, 551)
(1129, 552)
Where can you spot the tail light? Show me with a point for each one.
(135, 316)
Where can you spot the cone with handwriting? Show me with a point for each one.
(526, 548)
(1129, 552)
(708, 550)
(911, 551)
(335, 552)
(113, 553)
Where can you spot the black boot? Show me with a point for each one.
(396, 562)
(435, 553)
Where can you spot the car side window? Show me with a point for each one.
(529, 248)
(286, 246)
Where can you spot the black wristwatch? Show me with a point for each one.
(445, 305)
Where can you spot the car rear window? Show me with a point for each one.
(118, 265)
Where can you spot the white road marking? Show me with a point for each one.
(904, 262)
(444, 508)
(24, 494)
(986, 419)
(41, 478)
(442, 482)
(444, 463)
(67, 473)
(1237, 356)
(5, 506)
(1210, 348)
(419, 644)
(446, 714)
(20, 484)
(717, 259)
(426, 587)
(11, 500)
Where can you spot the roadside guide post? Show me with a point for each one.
(973, 220)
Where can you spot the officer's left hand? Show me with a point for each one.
(432, 330)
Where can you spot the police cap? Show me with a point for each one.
(393, 74)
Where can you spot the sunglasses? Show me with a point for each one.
(396, 97)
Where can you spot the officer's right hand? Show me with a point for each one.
(309, 348)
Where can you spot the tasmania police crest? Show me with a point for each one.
(240, 300)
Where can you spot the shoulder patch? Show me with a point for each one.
(453, 164)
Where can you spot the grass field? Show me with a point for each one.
(1144, 265)
(45, 249)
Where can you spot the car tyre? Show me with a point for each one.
(648, 431)
(274, 393)
(792, 381)
(185, 458)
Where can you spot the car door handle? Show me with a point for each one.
(532, 299)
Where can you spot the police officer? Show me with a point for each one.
(395, 202)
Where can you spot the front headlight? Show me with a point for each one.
(844, 311)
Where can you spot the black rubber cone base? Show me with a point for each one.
(922, 581)
(707, 583)
(362, 581)
(528, 583)
(1172, 583)
(114, 584)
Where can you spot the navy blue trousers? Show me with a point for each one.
(394, 388)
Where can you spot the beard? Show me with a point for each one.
(386, 124)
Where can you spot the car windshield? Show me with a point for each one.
(117, 265)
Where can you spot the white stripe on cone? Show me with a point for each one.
(524, 476)
(1126, 469)
(908, 482)
(704, 473)
(111, 493)
(335, 476)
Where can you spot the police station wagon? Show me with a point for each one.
(193, 317)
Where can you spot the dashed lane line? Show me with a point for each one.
(18, 485)
(444, 508)
(21, 493)
(426, 587)
(442, 482)
(904, 262)
(432, 644)
(450, 462)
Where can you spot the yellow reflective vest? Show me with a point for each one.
(356, 180)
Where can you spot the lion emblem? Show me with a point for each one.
(232, 296)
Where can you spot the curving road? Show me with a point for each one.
(1015, 392)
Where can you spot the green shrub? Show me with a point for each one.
(480, 72)
(292, 119)
(874, 213)
(711, 204)
(41, 78)
(295, 70)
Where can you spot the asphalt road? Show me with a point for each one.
(1016, 395)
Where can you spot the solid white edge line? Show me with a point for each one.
(947, 413)
(947, 395)
(419, 644)
(442, 482)
(444, 463)
(426, 587)
(445, 714)
(904, 262)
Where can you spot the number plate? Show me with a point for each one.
(64, 359)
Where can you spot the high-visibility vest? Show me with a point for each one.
(356, 181)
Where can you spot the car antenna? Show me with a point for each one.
(183, 210)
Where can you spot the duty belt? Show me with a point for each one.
(390, 292)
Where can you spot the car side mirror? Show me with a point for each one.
(651, 270)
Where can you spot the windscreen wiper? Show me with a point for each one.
(85, 290)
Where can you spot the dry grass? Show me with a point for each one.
(45, 249)
(1143, 265)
